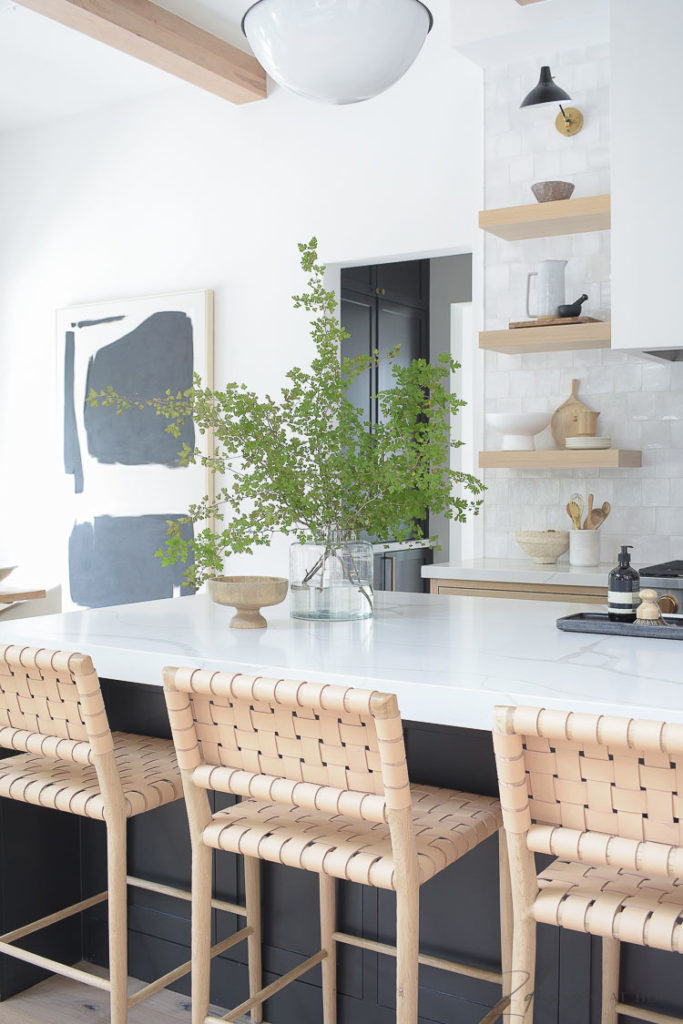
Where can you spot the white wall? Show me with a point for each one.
(450, 282)
(185, 191)
(647, 201)
(497, 31)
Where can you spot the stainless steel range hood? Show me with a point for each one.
(671, 355)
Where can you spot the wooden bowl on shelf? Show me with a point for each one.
(247, 595)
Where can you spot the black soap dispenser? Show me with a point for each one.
(623, 584)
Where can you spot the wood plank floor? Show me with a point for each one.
(61, 1001)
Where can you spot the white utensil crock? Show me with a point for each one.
(584, 547)
(549, 287)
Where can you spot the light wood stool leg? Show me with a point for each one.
(329, 964)
(407, 951)
(252, 886)
(506, 918)
(523, 971)
(118, 918)
(201, 931)
(610, 980)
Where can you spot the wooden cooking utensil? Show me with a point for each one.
(574, 513)
(588, 513)
(564, 422)
(606, 508)
(580, 503)
(595, 520)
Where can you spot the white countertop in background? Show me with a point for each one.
(520, 570)
(449, 659)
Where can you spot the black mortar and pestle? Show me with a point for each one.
(573, 308)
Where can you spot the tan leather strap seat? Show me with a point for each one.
(148, 770)
(448, 824)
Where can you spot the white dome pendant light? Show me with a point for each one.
(337, 51)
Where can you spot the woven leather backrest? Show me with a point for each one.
(330, 747)
(51, 704)
(616, 776)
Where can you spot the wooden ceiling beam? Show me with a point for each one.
(152, 34)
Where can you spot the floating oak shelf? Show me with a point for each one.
(539, 220)
(608, 458)
(558, 338)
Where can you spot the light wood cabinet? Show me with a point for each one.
(519, 591)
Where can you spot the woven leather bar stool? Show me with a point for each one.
(51, 708)
(604, 796)
(322, 774)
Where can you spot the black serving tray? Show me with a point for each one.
(598, 622)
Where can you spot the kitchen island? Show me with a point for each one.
(450, 661)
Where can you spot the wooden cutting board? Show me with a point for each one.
(564, 420)
(551, 321)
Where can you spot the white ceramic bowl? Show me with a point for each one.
(4, 573)
(518, 428)
(544, 546)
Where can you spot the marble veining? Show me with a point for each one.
(450, 660)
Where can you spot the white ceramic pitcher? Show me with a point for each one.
(549, 287)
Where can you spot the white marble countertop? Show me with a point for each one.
(449, 659)
(520, 570)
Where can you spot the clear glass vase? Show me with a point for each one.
(331, 578)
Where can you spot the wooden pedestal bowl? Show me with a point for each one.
(248, 594)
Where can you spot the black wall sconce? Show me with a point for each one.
(570, 120)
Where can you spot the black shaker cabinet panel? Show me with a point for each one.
(406, 282)
(359, 317)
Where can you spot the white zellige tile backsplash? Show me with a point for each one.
(640, 401)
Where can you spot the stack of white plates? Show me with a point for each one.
(587, 443)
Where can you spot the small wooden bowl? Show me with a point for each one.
(247, 594)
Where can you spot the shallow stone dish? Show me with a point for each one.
(544, 546)
(549, 191)
(248, 594)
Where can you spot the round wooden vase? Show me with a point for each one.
(247, 595)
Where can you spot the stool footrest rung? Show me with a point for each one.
(270, 990)
(649, 1015)
(184, 894)
(480, 973)
(496, 1011)
(59, 915)
(178, 972)
(55, 967)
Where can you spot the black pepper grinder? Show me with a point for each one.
(623, 585)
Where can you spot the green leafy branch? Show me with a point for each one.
(308, 464)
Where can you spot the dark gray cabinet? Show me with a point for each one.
(406, 282)
(402, 570)
(380, 325)
(385, 307)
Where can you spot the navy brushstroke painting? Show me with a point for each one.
(142, 364)
(72, 449)
(111, 561)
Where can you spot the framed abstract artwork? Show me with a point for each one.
(122, 477)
